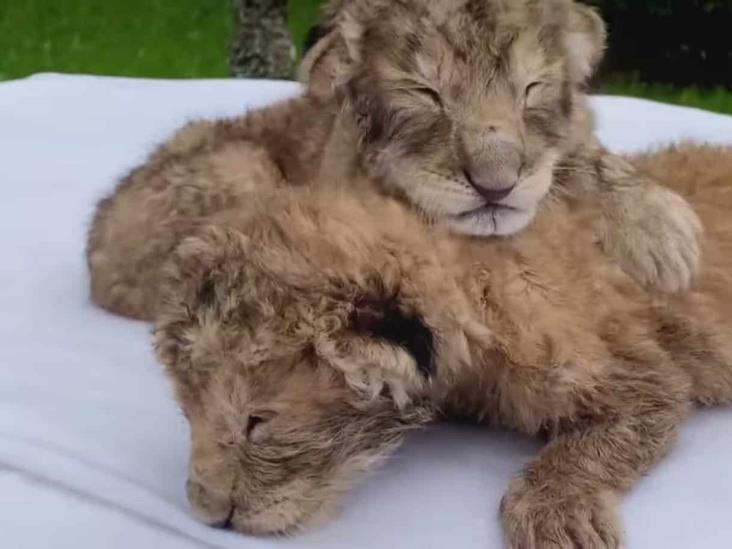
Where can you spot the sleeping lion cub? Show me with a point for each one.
(307, 336)
(471, 111)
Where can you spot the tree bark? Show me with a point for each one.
(262, 46)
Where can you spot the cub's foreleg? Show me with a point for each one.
(567, 496)
(650, 230)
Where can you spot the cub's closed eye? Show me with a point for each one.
(255, 425)
(532, 90)
(430, 93)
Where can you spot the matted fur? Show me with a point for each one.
(289, 402)
(447, 104)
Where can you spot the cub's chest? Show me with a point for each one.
(536, 314)
(512, 289)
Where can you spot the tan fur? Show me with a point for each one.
(511, 76)
(205, 168)
(290, 399)
(429, 101)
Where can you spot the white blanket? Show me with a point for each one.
(93, 451)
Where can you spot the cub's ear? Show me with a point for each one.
(383, 350)
(193, 289)
(323, 65)
(388, 323)
(335, 52)
(585, 41)
(201, 271)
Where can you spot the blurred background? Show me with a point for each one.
(677, 51)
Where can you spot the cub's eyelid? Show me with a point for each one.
(252, 422)
(533, 86)
(257, 420)
(432, 93)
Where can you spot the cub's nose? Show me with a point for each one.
(208, 508)
(494, 172)
(485, 188)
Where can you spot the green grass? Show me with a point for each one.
(716, 99)
(151, 38)
(185, 39)
(302, 14)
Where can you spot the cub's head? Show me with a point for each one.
(461, 106)
(292, 388)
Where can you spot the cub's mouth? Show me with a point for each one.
(487, 209)
(491, 219)
(510, 212)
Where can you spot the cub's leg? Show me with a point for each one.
(567, 497)
(650, 231)
(189, 179)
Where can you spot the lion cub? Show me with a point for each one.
(306, 338)
(472, 112)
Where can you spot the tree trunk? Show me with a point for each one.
(262, 45)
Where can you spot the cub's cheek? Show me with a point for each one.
(437, 195)
(532, 189)
(530, 193)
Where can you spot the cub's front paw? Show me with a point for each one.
(654, 235)
(544, 518)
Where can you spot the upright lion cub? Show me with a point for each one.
(476, 110)
(472, 111)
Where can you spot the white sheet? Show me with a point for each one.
(92, 448)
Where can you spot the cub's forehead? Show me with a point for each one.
(450, 41)
(465, 20)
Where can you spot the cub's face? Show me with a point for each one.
(286, 392)
(274, 446)
(464, 107)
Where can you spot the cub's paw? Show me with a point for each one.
(654, 235)
(541, 518)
